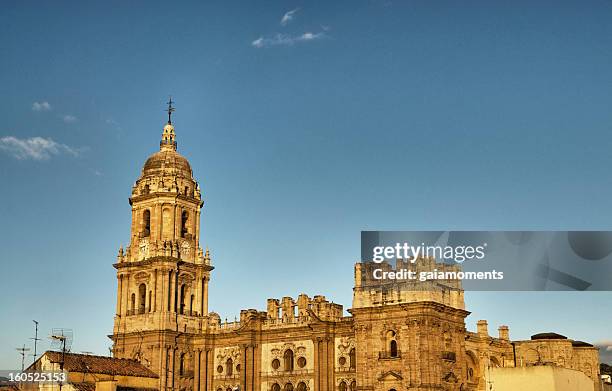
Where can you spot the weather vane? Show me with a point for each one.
(170, 110)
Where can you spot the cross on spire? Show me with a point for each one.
(170, 110)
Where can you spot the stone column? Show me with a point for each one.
(245, 373)
(159, 220)
(209, 369)
(317, 364)
(174, 235)
(155, 289)
(126, 293)
(205, 297)
(256, 373)
(172, 367)
(197, 229)
(330, 363)
(119, 288)
(196, 369)
(204, 384)
(171, 288)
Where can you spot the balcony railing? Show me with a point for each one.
(189, 313)
(449, 356)
(138, 311)
(388, 356)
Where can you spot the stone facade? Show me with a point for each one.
(394, 339)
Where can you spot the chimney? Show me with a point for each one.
(504, 333)
(482, 328)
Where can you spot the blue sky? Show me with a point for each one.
(347, 116)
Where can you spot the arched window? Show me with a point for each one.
(353, 385)
(150, 296)
(146, 223)
(392, 344)
(393, 348)
(342, 386)
(288, 387)
(275, 387)
(301, 386)
(229, 367)
(184, 218)
(182, 307)
(352, 364)
(182, 364)
(472, 367)
(191, 301)
(142, 297)
(133, 304)
(288, 358)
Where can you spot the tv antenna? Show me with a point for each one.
(23, 351)
(61, 339)
(36, 339)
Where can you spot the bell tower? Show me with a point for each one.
(163, 274)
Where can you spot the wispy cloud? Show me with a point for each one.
(41, 106)
(69, 119)
(34, 148)
(288, 17)
(285, 40)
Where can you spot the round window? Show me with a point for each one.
(220, 368)
(302, 362)
(342, 360)
(276, 363)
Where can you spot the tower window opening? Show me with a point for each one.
(288, 358)
(182, 364)
(191, 301)
(393, 348)
(182, 303)
(142, 297)
(146, 223)
(133, 303)
(184, 218)
(352, 359)
(342, 386)
(150, 296)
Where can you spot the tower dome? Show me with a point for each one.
(167, 162)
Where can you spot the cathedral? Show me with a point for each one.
(394, 339)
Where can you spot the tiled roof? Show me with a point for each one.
(83, 386)
(87, 363)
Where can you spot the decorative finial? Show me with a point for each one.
(168, 141)
(170, 109)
